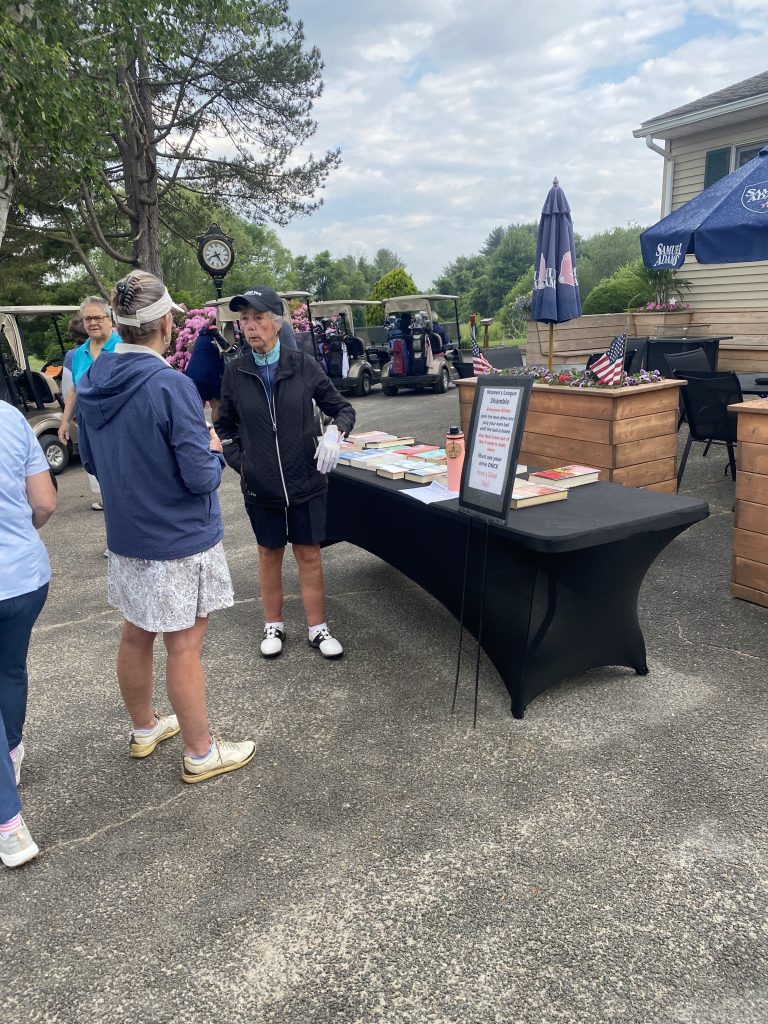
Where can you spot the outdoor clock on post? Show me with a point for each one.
(216, 255)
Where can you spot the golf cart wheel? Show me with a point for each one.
(364, 384)
(443, 382)
(388, 390)
(56, 453)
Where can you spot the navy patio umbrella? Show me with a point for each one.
(555, 288)
(726, 223)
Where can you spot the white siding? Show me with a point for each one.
(717, 286)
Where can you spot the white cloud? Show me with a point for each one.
(454, 117)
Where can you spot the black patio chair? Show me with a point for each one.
(706, 397)
(694, 359)
(629, 355)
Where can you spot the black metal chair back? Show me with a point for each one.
(696, 359)
(706, 397)
(629, 355)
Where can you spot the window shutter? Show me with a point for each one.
(718, 164)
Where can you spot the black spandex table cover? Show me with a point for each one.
(749, 383)
(562, 581)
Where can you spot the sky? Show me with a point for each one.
(453, 116)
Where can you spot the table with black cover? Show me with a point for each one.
(754, 383)
(651, 351)
(562, 581)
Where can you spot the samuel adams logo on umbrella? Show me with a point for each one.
(718, 225)
(755, 197)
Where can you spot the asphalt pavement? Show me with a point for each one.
(604, 859)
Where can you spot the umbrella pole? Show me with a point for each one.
(549, 346)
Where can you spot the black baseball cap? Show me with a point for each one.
(265, 300)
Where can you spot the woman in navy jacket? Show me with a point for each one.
(144, 436)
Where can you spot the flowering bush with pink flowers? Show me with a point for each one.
(300, 318)
(186, 328)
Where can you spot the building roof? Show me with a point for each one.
(742, 96)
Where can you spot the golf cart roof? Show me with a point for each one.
(225, 315)
(39, 310)
(331, 307)
(411, 303)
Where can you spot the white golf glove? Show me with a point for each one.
(327, 451)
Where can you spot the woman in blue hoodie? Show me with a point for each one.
(144, 436)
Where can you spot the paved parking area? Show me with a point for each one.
(602, 860)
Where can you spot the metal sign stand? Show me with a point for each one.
(461, 617)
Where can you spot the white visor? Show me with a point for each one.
(144, 316)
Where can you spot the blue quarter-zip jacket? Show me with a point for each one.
(142, 433)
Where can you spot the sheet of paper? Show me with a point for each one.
(432, 492)
(492, 442)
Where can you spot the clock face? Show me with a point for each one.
(216, 254)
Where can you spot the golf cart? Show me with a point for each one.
(35, 393)
(420, 358)
(344, 357)
(228, 322)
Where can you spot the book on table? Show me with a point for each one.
(371, 435)
(388, 443)
(423, 474)
(395, 469)
(566, 476)
(525, 492)
(437, 455)
(410, 451)
(362, 460)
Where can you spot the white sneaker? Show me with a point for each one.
(17, 847)
(272, 644)
(17, 762)
(328, 645)
(143, 744)
(97, 506)
(224, 757)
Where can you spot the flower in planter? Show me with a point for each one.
(665, 307)
(575, 377)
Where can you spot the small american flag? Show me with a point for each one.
(610, 366)
(480, 364)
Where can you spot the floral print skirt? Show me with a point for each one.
(166, 596)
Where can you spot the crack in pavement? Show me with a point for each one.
(717, 647)
(109, 827)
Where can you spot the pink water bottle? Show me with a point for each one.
(454, 457)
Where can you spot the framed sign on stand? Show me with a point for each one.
(488, 476)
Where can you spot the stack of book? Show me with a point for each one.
(424, 474)
(564, 477)
(525, 493)
(435, 455)
(394, 469)
(362, 460)
(410, 451)
(550, 484)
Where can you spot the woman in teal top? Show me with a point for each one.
(96, 315)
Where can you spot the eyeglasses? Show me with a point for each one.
(94, 319)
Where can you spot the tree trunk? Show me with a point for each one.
(9, 153)
(140, 164)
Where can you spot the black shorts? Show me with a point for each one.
(297, 524)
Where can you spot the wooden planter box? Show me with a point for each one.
(629, 434)
(653, 324)
(749, 579)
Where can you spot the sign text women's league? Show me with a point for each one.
(493, 439)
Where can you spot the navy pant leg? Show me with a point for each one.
(17, 617)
